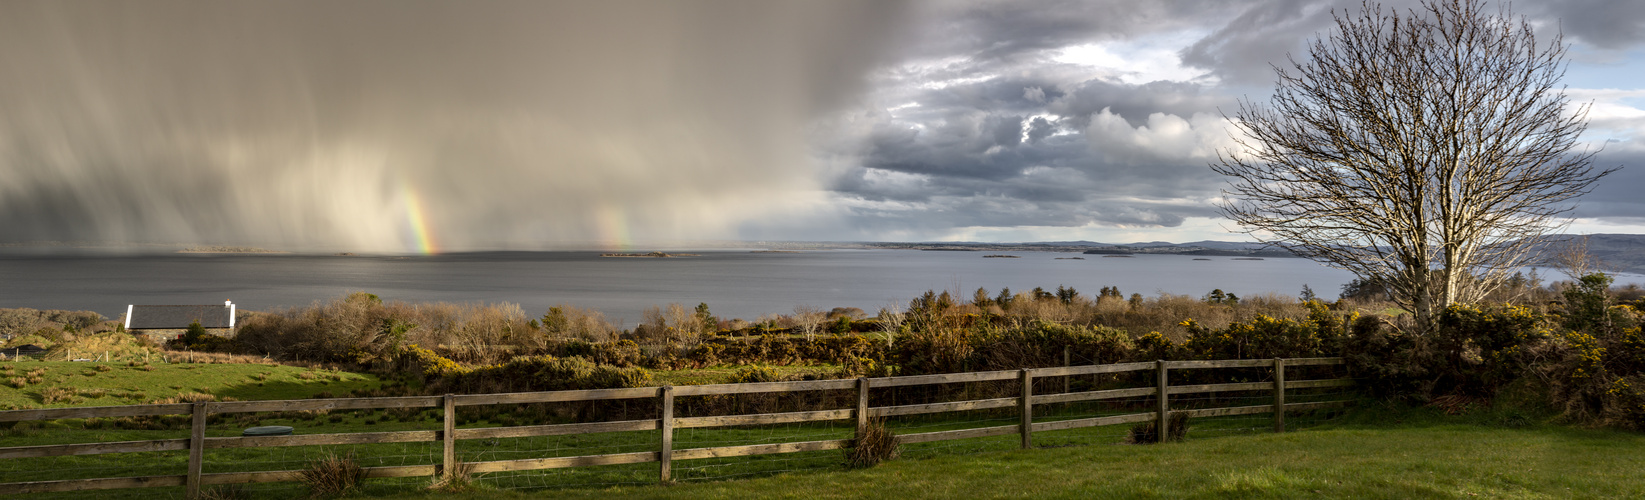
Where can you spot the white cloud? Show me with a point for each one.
(1165, 137)
(1137, 61)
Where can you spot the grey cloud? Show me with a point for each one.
(1244, 50)
(1134, 102)
(1267, 33)
(1006, 31)
(1039, 129)
(1606, 24)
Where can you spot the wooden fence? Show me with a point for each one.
(665, 454)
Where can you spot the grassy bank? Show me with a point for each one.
(50, 384)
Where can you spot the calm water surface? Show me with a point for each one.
(735, 283)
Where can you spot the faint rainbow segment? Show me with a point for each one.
(612, 223)
(416, 217)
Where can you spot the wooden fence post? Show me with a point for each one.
(1162, 422)
(665, 455)
(1027, 406)
(449, 437)
(1279, 394)
(1067, 360)
(196, 449)
(862, 406)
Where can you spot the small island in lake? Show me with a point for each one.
(1070, 258)
(1000, 257)
(226, 249)
(654, 255)
(1202, 258)
(1247, 258)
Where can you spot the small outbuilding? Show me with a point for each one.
(164, 323)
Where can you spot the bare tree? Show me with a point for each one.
(1429, 150)
(890, 322)
(1572, 258)
(809, 319)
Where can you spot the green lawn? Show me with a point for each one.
(1428, 460)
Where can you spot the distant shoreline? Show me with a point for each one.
(221, 249)
(652, 255)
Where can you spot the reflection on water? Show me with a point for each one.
(733, 283)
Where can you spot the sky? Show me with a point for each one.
(429, 126)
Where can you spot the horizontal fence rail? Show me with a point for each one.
(665, 397)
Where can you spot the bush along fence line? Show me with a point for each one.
(1161, 393)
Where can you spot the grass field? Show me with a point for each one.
(1371, 452)
(25, 384)
(1369, 456)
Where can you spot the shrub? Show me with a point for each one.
(332, 476)
(1474, 351)
(1155, 346)
(874, 444)
(541, 373)
(752, 374)
(1320, 334)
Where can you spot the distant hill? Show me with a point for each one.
(1615, 252)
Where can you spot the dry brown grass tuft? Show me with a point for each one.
(225, 492)
(459, 480)
(333, 476)
(875, 444)
(1177, 428)
(52, 395)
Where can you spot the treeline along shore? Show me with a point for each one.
(1577, 345)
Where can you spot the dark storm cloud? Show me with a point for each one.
(983, 124)
(994, 134)
(320, 123)
(1617, 195)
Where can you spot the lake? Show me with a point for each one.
(734, 283)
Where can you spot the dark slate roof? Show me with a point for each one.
(154, 317)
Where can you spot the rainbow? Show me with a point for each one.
(611, 223)
(415, 217)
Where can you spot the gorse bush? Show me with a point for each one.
(540, 373)
(1320, 334)
(1474, 351)
(1595, 367)
(753, 374)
